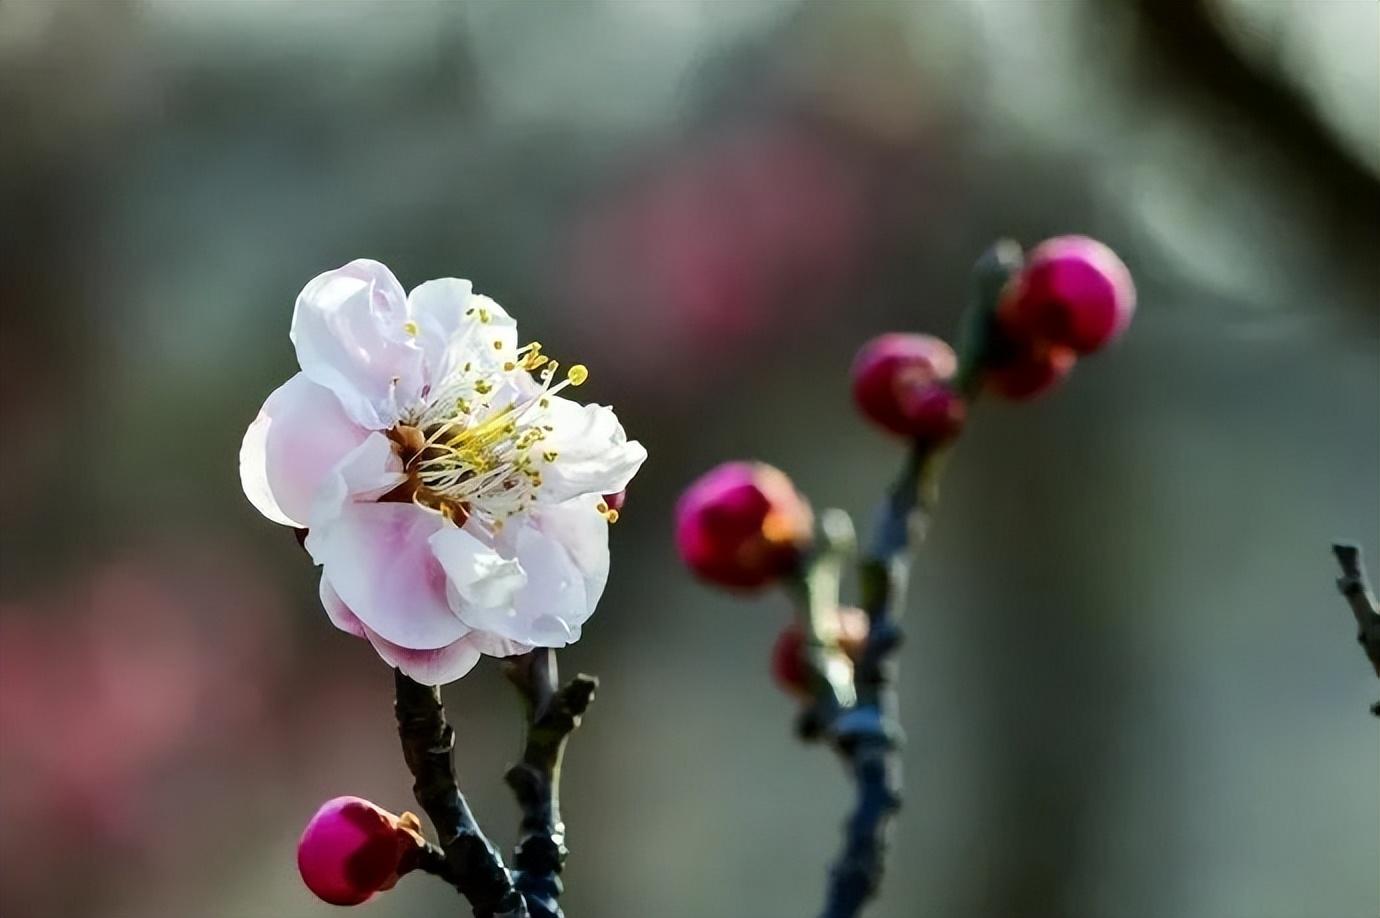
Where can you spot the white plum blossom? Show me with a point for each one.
(452, 497)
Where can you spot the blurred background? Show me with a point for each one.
(1130, 688)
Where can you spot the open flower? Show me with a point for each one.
(451, 496)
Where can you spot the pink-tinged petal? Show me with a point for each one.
(379, 560)
(350, 330)
(593, 454)
(495, 646)
(369, 471)
(429, 667)
(478, 574)
(563, 551)
(301, 433)
(455, 326)
(339, 613)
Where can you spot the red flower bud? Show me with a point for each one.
(900, 382)
(1073, 291)
(742, 524)
(1030, 371)
(788, 665)
(352, 849)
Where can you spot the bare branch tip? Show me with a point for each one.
(578, 693)
(1348, 556)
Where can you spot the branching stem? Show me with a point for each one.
(855, 708)
(553, 713)
(471, 864)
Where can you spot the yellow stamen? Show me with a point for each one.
(481, 452)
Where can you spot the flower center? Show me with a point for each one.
(476, 444)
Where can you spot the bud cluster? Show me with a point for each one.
(743, 525)
(1073, 297)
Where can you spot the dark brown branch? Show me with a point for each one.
(1356, 588)
(553, 713)
(472, 864)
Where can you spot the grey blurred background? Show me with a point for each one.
(1130, 688)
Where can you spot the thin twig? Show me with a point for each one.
(867, 733)
(1356, 588)
(472, 864)
(553, 713)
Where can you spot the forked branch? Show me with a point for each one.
(471, 865)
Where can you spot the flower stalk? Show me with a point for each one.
(553, 711)
(472, 864)
(855, 707)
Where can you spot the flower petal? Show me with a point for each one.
(593, 454)
(495, 646)
(582, 534)
(455, 325)
(370, 470)
(336, 610)
(301, 433)
(563, 551)
(380, 562)
(429, 667)
(349, 327)
(478, 575)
